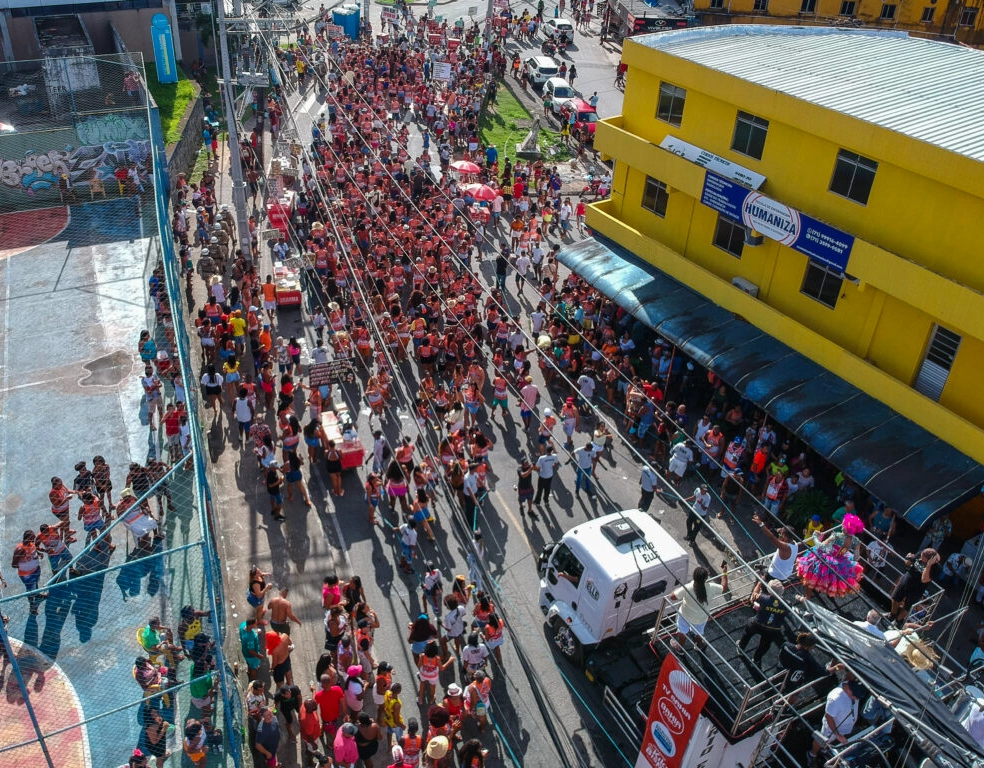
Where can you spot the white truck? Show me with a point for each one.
(608, 577)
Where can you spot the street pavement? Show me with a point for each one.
(544, 710)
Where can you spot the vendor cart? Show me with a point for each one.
(352, 451)
(288, 282)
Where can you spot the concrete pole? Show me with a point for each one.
(235, 160)
(177, 32)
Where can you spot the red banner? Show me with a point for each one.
(677, 702)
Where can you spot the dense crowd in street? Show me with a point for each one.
(409, 267)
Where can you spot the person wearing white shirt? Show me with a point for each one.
(870, 625)
(545, 467)
(522, 265)
(697, 513)
(536, 259)
(649, 481)
(537, 319)
(454, 623)
(586, 384)
(839, 716)
(470, 493)
(582, 460)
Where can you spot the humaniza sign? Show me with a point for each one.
(777, 221)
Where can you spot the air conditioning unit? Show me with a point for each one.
(745, 286)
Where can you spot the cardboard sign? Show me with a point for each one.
(332, 372)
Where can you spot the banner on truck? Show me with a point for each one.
(673, 715)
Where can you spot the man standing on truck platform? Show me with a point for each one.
(770, 615)
(784, 560)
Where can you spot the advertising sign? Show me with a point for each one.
(673, 715)
(334, 31)
(160, 33)
(712, 162)
(387, 15)
(779, 222)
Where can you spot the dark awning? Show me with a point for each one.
(895, 459)
(885, 673)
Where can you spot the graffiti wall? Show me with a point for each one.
(32, 164)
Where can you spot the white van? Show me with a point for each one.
(606, 577)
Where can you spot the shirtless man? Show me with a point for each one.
(280, 661)
(282, 613)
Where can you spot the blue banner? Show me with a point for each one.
(160, 33)
(777, 221)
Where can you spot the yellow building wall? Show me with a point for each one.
(876, 335)
(962, 393)
(908, 15)
(931, 227)
(900, 339)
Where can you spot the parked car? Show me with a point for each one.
(539, 69)
(585, 114)
(558, 28)
(559, 91)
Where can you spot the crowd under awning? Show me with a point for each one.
(896, 460)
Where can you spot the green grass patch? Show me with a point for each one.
(507, 122)
(172, 101)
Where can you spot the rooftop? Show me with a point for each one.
(928, 90)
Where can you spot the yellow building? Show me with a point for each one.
(826, 187)
(960, 20)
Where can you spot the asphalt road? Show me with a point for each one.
(544, 710)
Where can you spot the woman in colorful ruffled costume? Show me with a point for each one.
(830, 567)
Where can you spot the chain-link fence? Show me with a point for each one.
(113, 639)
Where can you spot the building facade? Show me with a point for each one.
(959, 20)
(825, 185)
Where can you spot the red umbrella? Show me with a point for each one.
(480, 191)
(465, 166)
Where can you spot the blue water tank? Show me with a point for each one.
(348, 17)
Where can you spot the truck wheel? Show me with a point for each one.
(567, 643)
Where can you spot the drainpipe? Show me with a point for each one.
(8, 46)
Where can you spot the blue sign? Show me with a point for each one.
(160, 33)
(777, 221)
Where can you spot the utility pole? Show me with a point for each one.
(229, 104)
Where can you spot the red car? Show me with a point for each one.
(585, 115)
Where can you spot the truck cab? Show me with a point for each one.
(606, 577)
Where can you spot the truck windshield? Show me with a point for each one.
(567, 565)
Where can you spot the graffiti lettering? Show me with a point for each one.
(37, 172)
(118, 126)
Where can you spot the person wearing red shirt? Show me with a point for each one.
(172, 432)
(310, 725)
(331, 702)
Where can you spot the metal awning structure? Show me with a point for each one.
(904, 465)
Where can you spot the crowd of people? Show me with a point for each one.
(407, 268)
(353, 707)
